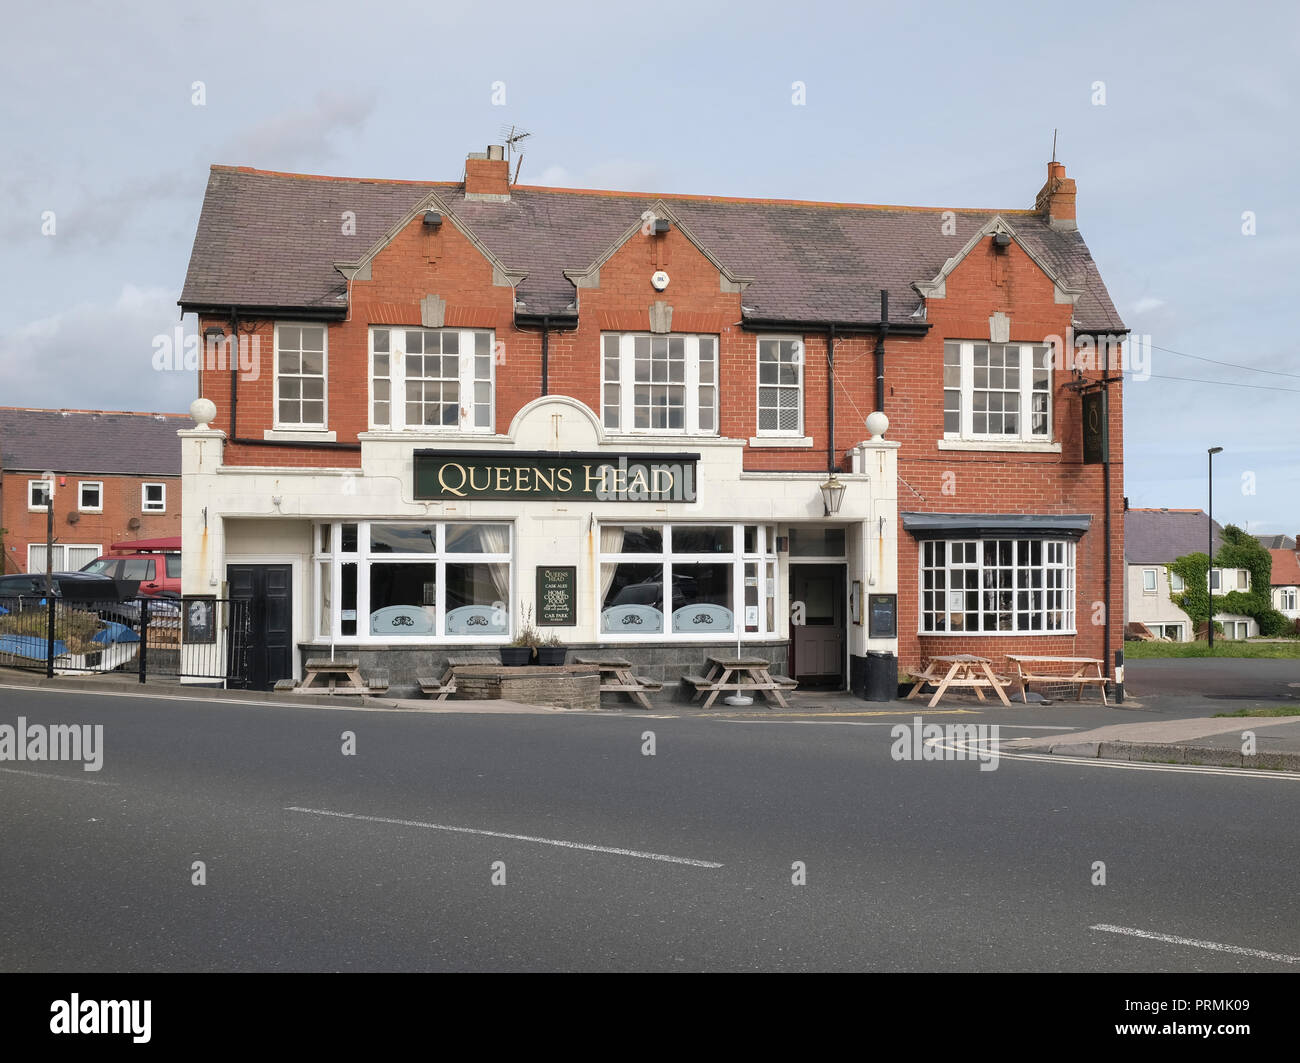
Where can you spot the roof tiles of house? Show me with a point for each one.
(272, 240)
(80, 441)
(1160, 536)
(1286, 568)
(1276, 542)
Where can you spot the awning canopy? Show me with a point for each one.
(996, 525)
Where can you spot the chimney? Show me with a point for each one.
(487, 175)
(1056, 198)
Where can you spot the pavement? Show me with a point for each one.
(1178, 704)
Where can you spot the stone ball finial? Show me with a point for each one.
(203, 411)
(877, 424)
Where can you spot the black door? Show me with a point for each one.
(269, 591)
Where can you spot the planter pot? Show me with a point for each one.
(551, 655)
(516, 656)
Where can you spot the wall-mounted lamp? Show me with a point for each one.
(662, 225)
(833, 494)
(432, 219)
(214, 333)
(1001, 241)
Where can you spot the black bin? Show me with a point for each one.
(882, 676)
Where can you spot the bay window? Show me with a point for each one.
(993, 586)
(997, 391)
(397, 580)
(653, 383)
(431, 379)
(687, 581)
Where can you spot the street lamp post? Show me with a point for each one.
(1209, 535)
(49, 574)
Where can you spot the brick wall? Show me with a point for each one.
(122, 503)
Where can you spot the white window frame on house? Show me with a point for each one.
(98, 485)
(329, 558)
(36, 551)
(1176, 584)
(1215, 579)
(1149, 580)
(1011, 593)
(620, 387)
(149, 507)
(49, 495)
(964, 382)
(759, 563)
(789, 362)
(475, 377)
(301, 377)
(1286, 598)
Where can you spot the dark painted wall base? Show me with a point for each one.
(664, 663)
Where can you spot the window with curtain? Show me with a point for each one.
(409, 580)
(684, 581)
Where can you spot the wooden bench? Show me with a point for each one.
(616, 678)
(1028, 671)
(741, 675)
(964, 671)
(442, 688)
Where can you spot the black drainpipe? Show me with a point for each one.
(830, 399)
(880, 349)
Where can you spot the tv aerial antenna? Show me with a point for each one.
(513, 136)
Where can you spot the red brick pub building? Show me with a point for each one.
(641, 421)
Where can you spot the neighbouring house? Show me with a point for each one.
(431, 409)
(1276, 542)
(1153, 540)
(1286, 582)
(116, 477)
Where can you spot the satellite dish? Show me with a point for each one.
(73, 516)
(133, 523)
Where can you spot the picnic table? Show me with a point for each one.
(963, 670)
(329, 672)
(740, 674)
(616, 677)
(1028, 671)
(443, 687)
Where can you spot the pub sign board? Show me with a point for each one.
(882, 616)
(520, 476)
(1096, 427)
(557, 595)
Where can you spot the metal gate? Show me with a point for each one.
(193, 637)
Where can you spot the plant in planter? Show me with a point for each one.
(520, 650)
(551, 651)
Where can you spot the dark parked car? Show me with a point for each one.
(108, 597)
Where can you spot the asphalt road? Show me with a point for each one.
(1219, 679)
(910, 865)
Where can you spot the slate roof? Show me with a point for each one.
(77, 441)
(1276, 542)
(271, 240)
(1286, 568)
(1160, 536)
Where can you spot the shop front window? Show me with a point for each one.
(687, 580)
(401, 580)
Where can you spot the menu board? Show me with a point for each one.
(557, 595)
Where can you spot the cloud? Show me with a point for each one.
(1147, 303)
(294, 138)
(621, 175)
(97, 355)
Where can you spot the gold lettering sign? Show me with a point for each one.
(547, 475)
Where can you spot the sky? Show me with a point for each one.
(1177, 122)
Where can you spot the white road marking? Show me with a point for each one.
(510, 837)
(1143, 765)
(53, 775)
(1173, 939)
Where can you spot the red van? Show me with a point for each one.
(156, 563)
